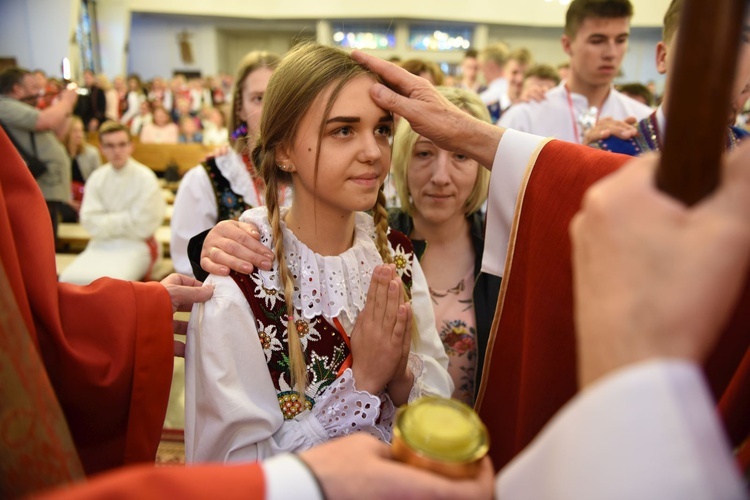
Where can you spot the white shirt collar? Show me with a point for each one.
(325, 285)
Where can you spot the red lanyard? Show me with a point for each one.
(579, 139)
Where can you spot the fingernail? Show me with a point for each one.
(265, 265)
(246, 268)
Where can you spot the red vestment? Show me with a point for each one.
(107, 348)
(226, 482)
(530, 371)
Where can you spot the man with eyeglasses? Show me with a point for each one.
(33, 130)
(122, 208)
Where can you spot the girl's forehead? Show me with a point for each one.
(354, 95)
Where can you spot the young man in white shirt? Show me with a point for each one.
(122, 209)
(596, 39)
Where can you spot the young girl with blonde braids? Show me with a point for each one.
(322, 345)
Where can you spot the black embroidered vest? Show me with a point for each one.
(230, 205)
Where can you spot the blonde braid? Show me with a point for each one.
(297, 361)
(380, 218)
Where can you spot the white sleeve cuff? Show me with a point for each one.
(286, 477)
(508, 171)
(649, 431)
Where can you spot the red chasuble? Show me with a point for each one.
(225, 482)
(531, 371)
(107, 348)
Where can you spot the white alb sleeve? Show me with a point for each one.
(649, 431)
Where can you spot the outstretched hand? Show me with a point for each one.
(381, 338)
(234, 245)
(361, 466)
(184, 292)
(654, 278)
(429, 113)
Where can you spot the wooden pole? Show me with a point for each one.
(700, 93)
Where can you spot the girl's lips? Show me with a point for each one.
(365, 180)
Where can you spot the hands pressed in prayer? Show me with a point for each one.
(381, 337)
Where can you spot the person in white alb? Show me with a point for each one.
(122, 207)
(596, 39)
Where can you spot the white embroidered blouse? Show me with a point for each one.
(232, 410)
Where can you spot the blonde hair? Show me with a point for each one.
(521, 55)
(68, 132)
(102, 81)
(497, 53)
(303, 74)
(406, 138)
(419, 66)
(253, 60)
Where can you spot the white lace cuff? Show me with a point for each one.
(343, 410)
(416, 365)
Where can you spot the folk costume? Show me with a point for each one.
(221, 188)
(239, 401)
(565, 115)
(530, 371)
(121, 210)
(650, 137)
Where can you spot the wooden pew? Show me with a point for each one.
(160, 156)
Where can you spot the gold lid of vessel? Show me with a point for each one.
(442, 435)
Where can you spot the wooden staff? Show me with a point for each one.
(36, 450)
(699, 96)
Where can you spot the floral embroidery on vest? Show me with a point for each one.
(230, 205)
(326, 348)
